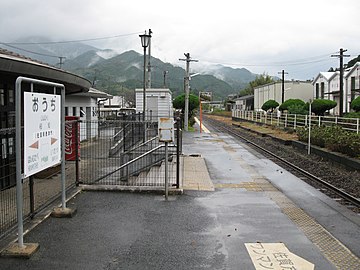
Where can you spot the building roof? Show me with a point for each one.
(351, 70)
(327, 75)
(245, 97)
(17, 65)
(95, 94)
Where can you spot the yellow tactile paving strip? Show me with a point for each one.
(196, 175)
(336, 253)
(249, 186)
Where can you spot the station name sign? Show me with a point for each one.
(42, 132)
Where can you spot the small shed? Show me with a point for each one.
(158, 103)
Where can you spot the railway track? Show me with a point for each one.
(338, 194)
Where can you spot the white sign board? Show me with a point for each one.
(166, 129)
(42, 132)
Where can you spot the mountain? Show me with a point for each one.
(238, 78)
(126, 70)
(115, 73)
(49, 52)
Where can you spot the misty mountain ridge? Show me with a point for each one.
(107, 69)
(49, 52)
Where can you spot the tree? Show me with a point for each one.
(355, 104)
(259, 80)
(269, 105)
(179, 103)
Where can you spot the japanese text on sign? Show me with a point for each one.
(41, 132)
(275, 256)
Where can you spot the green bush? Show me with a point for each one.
(269, 105)
(291, 102)
(320, 106)
(352, 115)
(298, 109)
(333, 138)
(355, 104)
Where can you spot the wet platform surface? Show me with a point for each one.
(254, 204)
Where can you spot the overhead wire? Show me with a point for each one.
(70, 41)
(295, 62)
(11, 44)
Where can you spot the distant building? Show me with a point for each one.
(244, 103)
(352, 85)
(115, 102)
(327, 86)
(86, 107)
(158, 103)
(292, 90)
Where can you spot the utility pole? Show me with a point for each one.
(283, 85)
(61, 58)
(165, 73)
(149, 59)
(341, 57)
(187, 88)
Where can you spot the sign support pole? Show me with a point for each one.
(19, 176)
(166, 171)
(63, 182)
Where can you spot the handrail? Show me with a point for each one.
(134, 160)
(142, 144)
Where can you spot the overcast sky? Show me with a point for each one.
(260, 35)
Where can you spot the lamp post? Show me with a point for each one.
(145, 38)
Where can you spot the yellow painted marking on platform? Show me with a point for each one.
(202, 125)
(335, 252)
(249, 186)
(196, 175)
(275, 256)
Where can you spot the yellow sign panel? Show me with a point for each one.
(275, 256)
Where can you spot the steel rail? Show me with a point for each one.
(355, 201)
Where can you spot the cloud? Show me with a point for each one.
(250, 33)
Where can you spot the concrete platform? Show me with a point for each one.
(275, 206)
(259, 216)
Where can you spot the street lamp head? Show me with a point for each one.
(145, 38)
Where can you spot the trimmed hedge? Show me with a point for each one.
(269, 105)
(291, 103)
(320, 106)
(333, 138)
(355, 104)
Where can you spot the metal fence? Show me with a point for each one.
(38, 190)
(294, 121)
(113, 152)
(127, 152)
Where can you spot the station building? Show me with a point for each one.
(12, 66)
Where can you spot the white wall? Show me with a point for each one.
(355, 74)
(293, 90)
(164, 101)
(88, 128)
